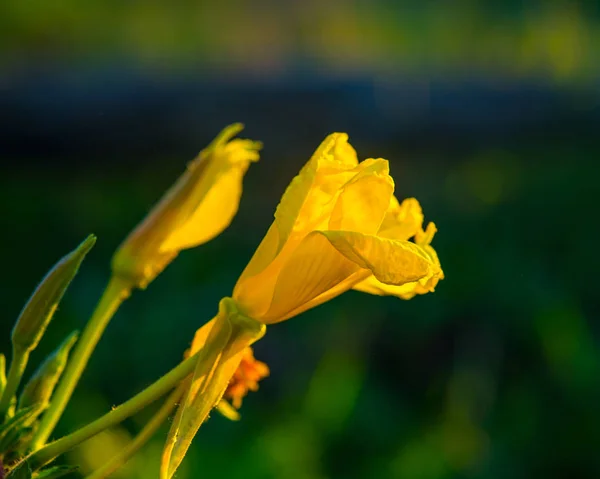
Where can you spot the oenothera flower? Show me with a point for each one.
(199, 206)
(338, 226)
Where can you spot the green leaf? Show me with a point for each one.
(42, 304)
(55, 472)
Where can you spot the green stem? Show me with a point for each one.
(17, 368)
(143, 437)
(156, 390)
(115, 293)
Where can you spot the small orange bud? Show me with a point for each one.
(245, 378)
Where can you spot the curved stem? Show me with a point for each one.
(115, 293)
(17, 368)
(143, 437)
(47, 453)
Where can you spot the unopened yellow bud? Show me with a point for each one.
(199, 206)
(40, 308)
(39, 388)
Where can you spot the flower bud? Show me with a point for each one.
(198, 207)
(40, 308)
(39, 388)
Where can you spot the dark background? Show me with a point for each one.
(488, 115)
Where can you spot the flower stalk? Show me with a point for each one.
(15, 373)
(152, 393)
(143, 436)
(115, 293)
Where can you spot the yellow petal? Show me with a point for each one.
(314, 268)
(338, 289)
(391, 261)
(363, 201)
(315, 185)
(425, 285)
(266, 254)
(402, 221)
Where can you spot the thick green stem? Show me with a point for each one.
(115, 293)
(143, 437)
(17, 368)
(158, 389)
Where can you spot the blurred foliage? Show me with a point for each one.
(558, 39)
(494, 375)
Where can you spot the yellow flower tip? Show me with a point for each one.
(226, 135)
(335, 150)
(246, 377)
(426, 237)
(198, 207)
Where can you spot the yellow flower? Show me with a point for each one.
(337, 227)
(199, 206)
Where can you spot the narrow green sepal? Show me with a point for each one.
(218, 360)
(40, 387)
(55, 472)
(42, 304)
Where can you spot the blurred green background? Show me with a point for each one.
(489, 116)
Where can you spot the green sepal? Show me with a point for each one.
(55, 472)
(42, 304)
(218, 360)
(39, 388)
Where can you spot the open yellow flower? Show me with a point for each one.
(337, 227)
(199, 206)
